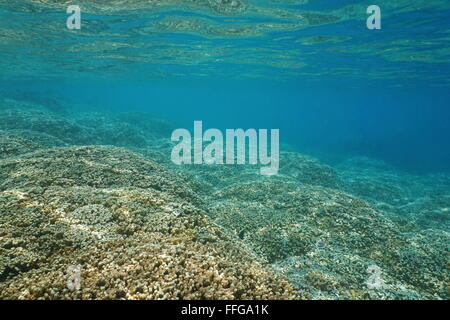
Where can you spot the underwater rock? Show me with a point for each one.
(132, 227)
(13, 145)
(44, 122)
(46, 101)
(141, 227)
(131, 129)
(43, 139)
(9, 103)
(431, 211)
(403, 197)
(99, 167)
(323, 240)
(294, 167)
(306, 169)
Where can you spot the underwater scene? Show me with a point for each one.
(225, 149)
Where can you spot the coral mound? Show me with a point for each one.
(131, 226)
(98, 192)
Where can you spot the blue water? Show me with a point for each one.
(405, 127)
(333, 89)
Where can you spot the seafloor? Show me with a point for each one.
(89, 188)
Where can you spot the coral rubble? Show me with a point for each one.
(98, 191)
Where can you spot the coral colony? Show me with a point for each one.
(104, 202)
(235, 151)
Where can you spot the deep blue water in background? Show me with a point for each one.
(333, 88)
(406, 127)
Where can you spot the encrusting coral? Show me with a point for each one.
(98, 191)
(132, 227)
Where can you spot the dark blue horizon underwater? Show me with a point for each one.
(405, 127)
(311, 68)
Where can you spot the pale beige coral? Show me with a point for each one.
(132, 229)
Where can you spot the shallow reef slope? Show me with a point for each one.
(98, 191)
(134, 228)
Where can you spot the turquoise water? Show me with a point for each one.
(86, 117)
